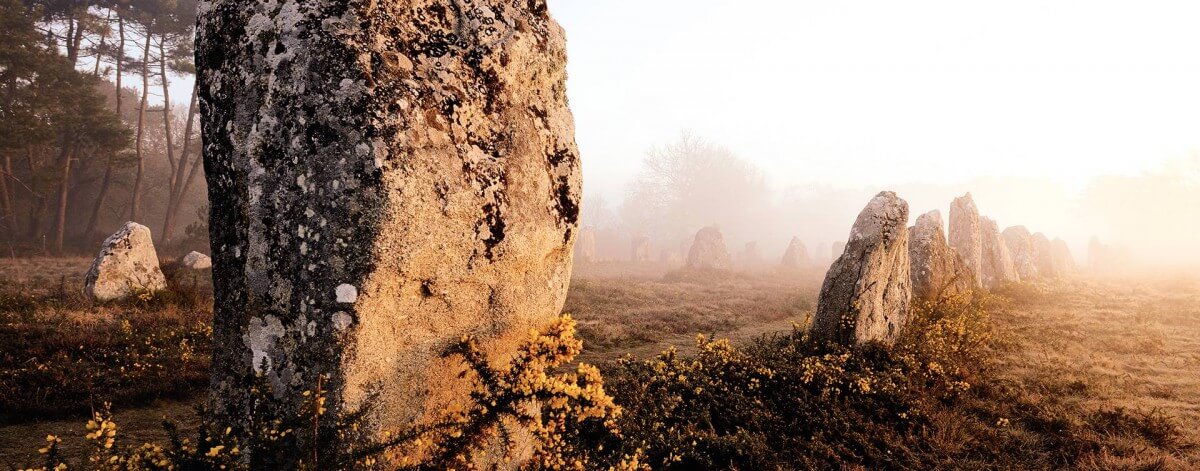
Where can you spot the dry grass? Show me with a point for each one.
(1117, 363)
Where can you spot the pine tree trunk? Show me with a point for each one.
(64, 189)
(135, 206)
(179, 186)
(94, 219)
(7, 216)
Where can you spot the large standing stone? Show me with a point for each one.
(126, 266)
(1020, 247)
(639, 250)
(384, 178)
(866, 293)
(708, 250)
(796, 255)
(965, 235)
(1043, 253)
(998, 266)
(937, 270)
(585, 245)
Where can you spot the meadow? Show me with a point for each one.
(1084, 374)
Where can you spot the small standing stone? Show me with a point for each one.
(998, 266)
(867, 291)
(639, 249)
(197, 261)
(709, 251)
(936, 269)
(796, 255)
(1020, 246)
(127, 265)
(965, 235)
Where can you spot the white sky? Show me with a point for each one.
(880, 92)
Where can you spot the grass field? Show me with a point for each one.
(1119, 360)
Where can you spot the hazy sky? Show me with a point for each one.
(875, 93)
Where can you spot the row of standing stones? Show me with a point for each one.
(869, 289)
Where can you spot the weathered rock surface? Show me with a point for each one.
(1043, 252)
(998, 265)
(708, 250)
(639, 250)
(197, 261)
(1020, 246)
(936, 271)
(965, 235)
(796, 255)
(126, 266)
(585, 245)
(867, 291)
(385, 178)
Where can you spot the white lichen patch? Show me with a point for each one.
(260, 337)
(341, 321)
(346, 294)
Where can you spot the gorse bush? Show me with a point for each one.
(572, 422)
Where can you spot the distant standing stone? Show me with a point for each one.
(585, 245)
(998, 265)
(1020, 246)
(796, 255)
(197, 261)
(867, 291)
(1043, 252)
(639, 249)
(1064, 262)
(837, 249)
(709, 251)
(127, 266)
(965, 235)
(936, 269)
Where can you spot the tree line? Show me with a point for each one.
(90, 135)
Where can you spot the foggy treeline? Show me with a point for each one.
(1116, 223)
(90, 135)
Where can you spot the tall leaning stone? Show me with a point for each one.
(936, 270)
(867, 291)
(384, 178)
(1020, 246)
(965, 235)
(998, 266)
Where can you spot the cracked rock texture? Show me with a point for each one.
(936, 270)
(1020, 245)
(867, 291)
(384, 178)
(998, 266)
(708, 250)
(126, 266)
(965, 235)
(796, 255)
